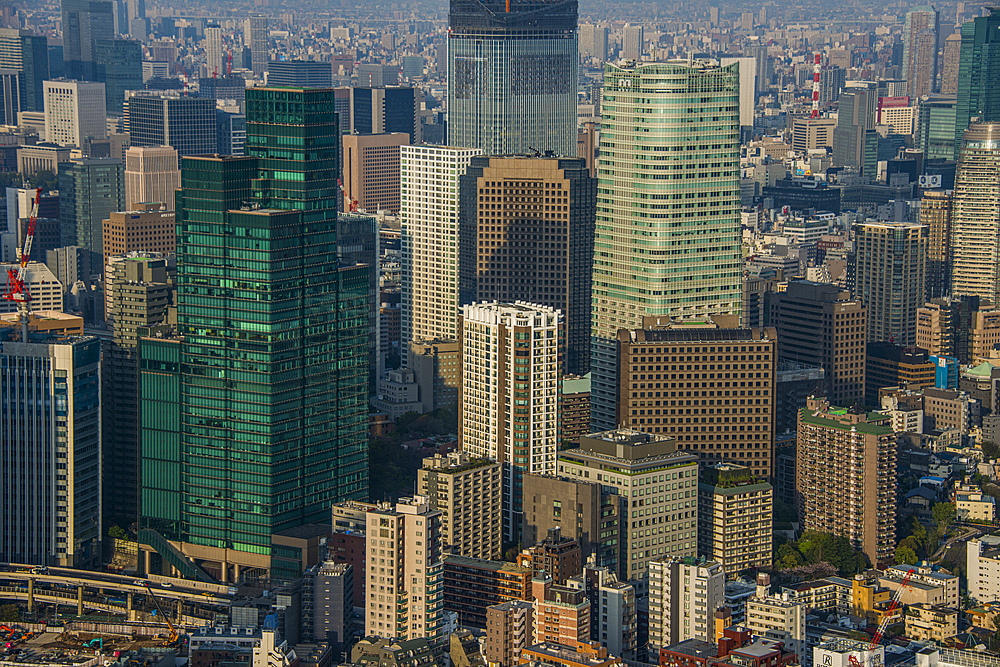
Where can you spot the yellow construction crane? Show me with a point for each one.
(174, 636)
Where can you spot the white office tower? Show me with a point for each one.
(257, 35)
(428, 211)
(151, 175)
(511, 379)
(213, 51)
(404, 587)
(50, 482)
(75, 112)
(683, 596)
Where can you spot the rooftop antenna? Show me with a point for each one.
(815, 109)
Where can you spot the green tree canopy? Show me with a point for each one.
(944, 514)
(991, 450)
(905, 554)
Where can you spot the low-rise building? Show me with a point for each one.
(843, 652)
(561, 615)
(612, 609)
(932, 575)
(397, 394)
(472, 585)
(380, 652)
(832, 594)
(466, 491)
(41, 284)
(931, 623)
(560, 557)
(735, 648)
(778, 617)
(940, 656)
(971, 504)
(509, 629)
(580, 654)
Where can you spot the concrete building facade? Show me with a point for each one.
(467, 493)
(846, 477)
(655, 379)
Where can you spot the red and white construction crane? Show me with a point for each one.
(886, 617)
(816, 69)
(16, 291)
(354, 202)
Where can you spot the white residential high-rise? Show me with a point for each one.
(683, 597)
(975, 215)
(75, 112)
(404, 587)
(509, 406)
(428, 211)
(213, 51)
(151, 175)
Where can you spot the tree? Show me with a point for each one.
(995, 641)
(117, 533)
(991, 450)
(905, 554)
(788, 557)
(944, 514)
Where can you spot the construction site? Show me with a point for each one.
(73, 646)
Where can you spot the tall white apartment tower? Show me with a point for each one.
(75, 111)
(151, 175)
(509, 406)
(428, 211)
(683, 596)
(213, 51)
(404, 588)
(975, 217)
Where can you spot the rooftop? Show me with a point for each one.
(567, 654)
(482, 564)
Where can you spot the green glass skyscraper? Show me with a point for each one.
(274, 368)
(978, 74)
(668, 205)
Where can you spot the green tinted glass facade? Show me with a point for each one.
(160, 435)
(273, 374)
(978, 74)
(668, 205)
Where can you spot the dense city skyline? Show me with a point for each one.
(496, 333)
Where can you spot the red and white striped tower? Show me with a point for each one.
(815, 113)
